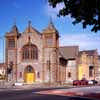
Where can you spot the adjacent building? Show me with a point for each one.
(70, 54)
(98, 70)
(88, 64)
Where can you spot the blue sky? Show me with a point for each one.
(39, 12)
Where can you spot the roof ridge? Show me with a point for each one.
(87, 50)
(69, 46)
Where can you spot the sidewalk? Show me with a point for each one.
(26, 87)
(91, 92)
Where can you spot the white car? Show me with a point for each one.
(90, 82)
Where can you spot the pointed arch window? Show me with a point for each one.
(30, 52)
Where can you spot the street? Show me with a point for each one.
(32, 95)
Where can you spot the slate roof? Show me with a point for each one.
(88, 52)
(68, 52)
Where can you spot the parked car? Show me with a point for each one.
(94, 82)
(90, 82)
(84, 82)
(76, 82)
(80, 82)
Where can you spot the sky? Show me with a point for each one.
(39, 12)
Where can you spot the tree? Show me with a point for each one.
(86, 12)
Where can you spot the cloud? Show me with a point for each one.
(84, 41)
(52, 12)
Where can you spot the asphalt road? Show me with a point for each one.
(31, 95)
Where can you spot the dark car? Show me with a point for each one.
(76, 83)
(80, 82)
(84, 82)
(94, 82)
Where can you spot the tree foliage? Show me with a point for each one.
(85, 11)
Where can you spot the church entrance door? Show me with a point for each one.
(29, 75)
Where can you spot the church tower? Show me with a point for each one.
(50, 39)
(11, 53)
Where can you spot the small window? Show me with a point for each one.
(20, 74)
(69, 74)
(48, 65)
(91, 71)
(49, 41)
(11, 43)
(38, 75)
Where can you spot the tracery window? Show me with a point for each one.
(29, 52)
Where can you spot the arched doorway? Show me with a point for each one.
(29, 75)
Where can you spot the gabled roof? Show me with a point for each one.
(14, 29)
(88, 52)
(50, 29)
(69, 52)
(30, 29)
(13, 32)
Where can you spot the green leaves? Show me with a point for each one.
(86, 12)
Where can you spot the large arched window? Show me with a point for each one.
(29, 51)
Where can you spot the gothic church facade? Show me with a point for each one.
(32, 56)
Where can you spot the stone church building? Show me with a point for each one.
(36, 57)
(32, 56)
